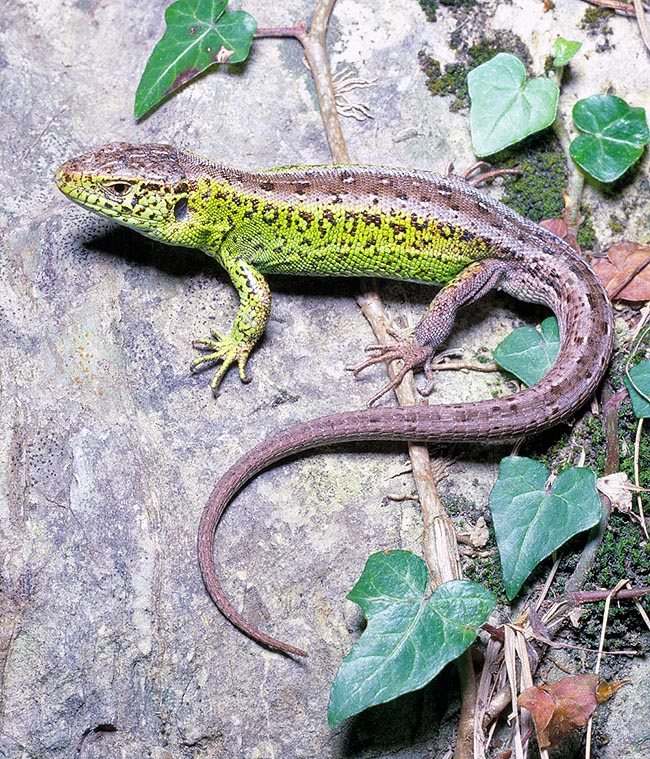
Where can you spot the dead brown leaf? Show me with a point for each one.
(560, 708)
(625, 273)
(618, 488)
(605, 690)
(560, 229)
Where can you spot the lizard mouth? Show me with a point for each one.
(63, 179)
(72, 186)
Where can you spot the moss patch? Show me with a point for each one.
(623, 554)
(596, 21)
(431, 6)
(536, 192)
(453, 80)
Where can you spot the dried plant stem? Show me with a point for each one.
(440, 547)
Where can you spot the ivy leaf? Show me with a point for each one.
(505, 107)
(614, 135)
(638, 386)
(410, 635)
(199, 34)
(563, 51)
(531, 520)
(528, 353)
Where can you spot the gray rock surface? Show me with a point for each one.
(110, 646)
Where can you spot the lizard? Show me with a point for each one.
(349, 221)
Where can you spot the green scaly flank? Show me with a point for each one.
(252, 224)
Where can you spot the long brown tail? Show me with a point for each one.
(586, 328)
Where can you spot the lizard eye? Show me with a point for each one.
(120, 189)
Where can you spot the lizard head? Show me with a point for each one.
(140, 186)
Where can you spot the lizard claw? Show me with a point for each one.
(225, 349)
(411, 354)
(429, 370)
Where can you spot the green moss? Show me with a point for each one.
(431, 6)
(616, 225)
(623, 554)
(536, 192)
(459, 507)
(593, 441)
(596, 21)
(486, 569)
(453, 80)
(587, 239)
(558, 456)
(483, 569)
(628, 424)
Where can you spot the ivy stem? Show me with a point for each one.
(441, 552)
(575, 179)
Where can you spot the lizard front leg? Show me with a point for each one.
(434, 328)
(249, 325)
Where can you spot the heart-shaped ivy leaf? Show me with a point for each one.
(410, 636)
(563, 51)
(199, 34)
(505, 107)
(532, 520)
(529, 353)
(614, 135)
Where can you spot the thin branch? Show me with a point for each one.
(592, 596)
(640, 19)
(443, 557)
(575, 179)
(618, 6)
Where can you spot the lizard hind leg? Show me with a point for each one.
(434, 327)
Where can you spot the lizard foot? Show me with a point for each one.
(225, 349)
(412, 355)
(429, 367)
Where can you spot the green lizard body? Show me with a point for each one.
(347, 221)
(331, 221)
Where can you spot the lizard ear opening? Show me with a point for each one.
(180, 209)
